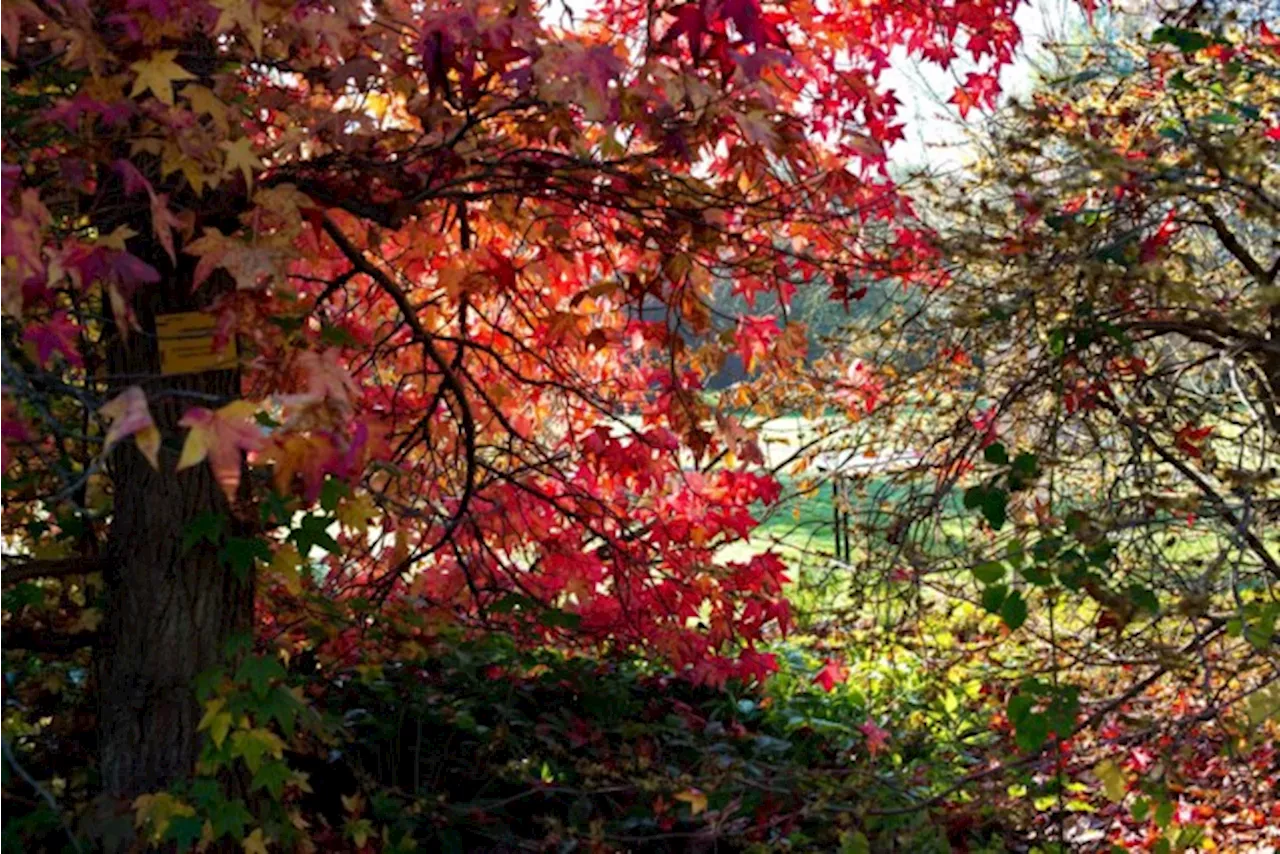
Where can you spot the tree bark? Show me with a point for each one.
(170, 611)
(169, 617)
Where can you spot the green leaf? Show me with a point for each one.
(510, 603)
(993, 597)
(337, 336)
(206, 527)
(1164, 814)
(990, 572)
(1058, 342)
(229, 818)
(281, 706)
(1019, 707)
(1061, 714)
(995, 454)
(1014, 610)
(1031, 731)
(1187, 41)
(1259, 631)
(854, 842)
(184, 831)
(258, 671)
(312, 530)
(240, 553)
(1038, 575)
(1144, 598)
(1026, 464)
(332, 492)
(993, 507)
(555, 618)
(272, 776)
(973, 497)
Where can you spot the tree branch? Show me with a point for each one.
(29, 570)
(1233, 245)
(47, 640)
(449, 376)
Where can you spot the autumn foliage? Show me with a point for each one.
(327, 316)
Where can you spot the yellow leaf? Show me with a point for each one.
(355, 513)
(254, 843)
(252, 745)
(217, 721)
(204, 103)
(285, 563)
(158, 811)
(148, 441)
(1114, 785)
(244, 14)
(240, 155)
(90, 619)
(695, 798)
(158, 74)
(194, 449)
(359, 831)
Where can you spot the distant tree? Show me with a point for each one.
(1100, 409)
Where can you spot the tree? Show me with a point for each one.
(348, 284)
(1097, 407)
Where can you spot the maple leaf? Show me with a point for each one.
(979, 90)
(1190, 439)
(250, 265)
(832, 673)
(296, 453)
(216, 719)
(13, 16)
(221, 436)
(205, 103)
(695, 798)
(327, 379)
(286, 564)
(129, 416)
(356, 513)
(163, 221)
(244, 14)
(1160, 238)
(157, 74)
(134, 181)
(754, 337)
(254, 843)
(877, 738)
(159, 811)
(241, 156)
(56, 335)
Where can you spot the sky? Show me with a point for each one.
(935, 135)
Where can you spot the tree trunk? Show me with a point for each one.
(170, 611)
(169, 616)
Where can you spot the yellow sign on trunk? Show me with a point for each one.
(186, 344)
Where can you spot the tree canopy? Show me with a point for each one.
(356, 354)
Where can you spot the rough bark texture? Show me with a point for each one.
(169, 612)
(169, 616)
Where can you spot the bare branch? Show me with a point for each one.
(16, 572)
